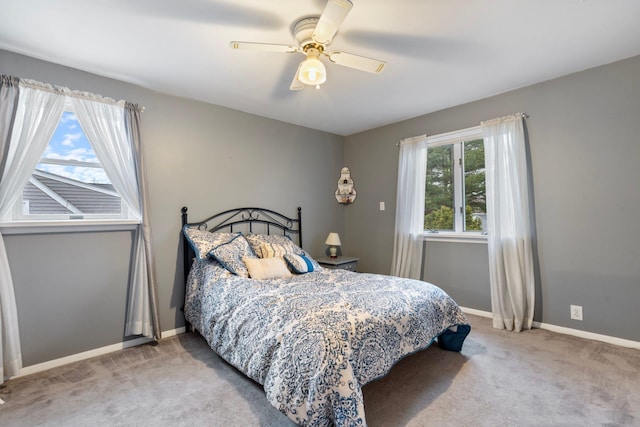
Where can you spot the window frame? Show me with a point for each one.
(21, 223)
(456, 138)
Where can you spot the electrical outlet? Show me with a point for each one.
(576, 312)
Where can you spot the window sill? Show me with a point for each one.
(455, 237)
(37, 227)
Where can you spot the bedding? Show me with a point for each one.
(313, 340)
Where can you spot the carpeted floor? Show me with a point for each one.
(534, 378)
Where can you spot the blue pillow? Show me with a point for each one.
(230, 255)
(300, 264)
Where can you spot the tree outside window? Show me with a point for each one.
(455, 196)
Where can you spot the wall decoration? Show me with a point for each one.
(345, 194)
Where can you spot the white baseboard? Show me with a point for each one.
(170, 333)
(588, 335)
(174, 332)
(475, 312)
(93, 353)
(566, 331)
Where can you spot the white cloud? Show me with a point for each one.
(88, 175)
(81, 154)
(69, 118)
(70, 138)
(94, 176)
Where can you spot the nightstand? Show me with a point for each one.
(343, 262)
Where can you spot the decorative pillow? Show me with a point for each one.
(267, 268)
(283, 242)
(270, 250)
(230, 255)
(300, 264)
(202, 241)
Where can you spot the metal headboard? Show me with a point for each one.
(252, 220)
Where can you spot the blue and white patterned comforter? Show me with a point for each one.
(315, 339)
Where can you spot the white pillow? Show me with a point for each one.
(267, 268)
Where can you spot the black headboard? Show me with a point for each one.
(248, 220)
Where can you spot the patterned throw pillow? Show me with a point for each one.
(270, 250)
(283, 243)
(267, 268)
(300, 264)
(202, 241)
(230, 255)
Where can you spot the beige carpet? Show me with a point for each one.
(535, 378)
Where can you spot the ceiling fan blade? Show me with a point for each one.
(296, 84)
(358, 62)
(264, 47)
(334, 14)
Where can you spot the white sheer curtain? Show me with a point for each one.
(36, 118)
(509, 224)
(104, 124)
(412, 172)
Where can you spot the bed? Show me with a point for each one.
(311, 336)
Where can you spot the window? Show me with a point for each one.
(69, 182)
(455, 196)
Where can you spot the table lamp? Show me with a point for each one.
(333, 240)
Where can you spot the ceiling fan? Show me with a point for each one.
(313, 34)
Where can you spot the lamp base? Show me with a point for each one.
(333, 252)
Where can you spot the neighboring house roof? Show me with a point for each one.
(49, 193)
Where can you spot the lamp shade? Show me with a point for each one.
(333, 239)
(312, 71)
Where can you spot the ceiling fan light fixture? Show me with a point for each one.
(312, 71)
(312, 35)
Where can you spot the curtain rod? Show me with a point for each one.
(65, 91)
(497, 119)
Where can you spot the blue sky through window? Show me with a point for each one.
(69, 142)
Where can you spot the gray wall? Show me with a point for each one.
(584, 129)
(71, 288)
(584, 132)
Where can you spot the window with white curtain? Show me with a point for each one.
(69, 182)
(28, 119)
(455, 195)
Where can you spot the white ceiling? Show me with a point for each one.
(439, 53)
